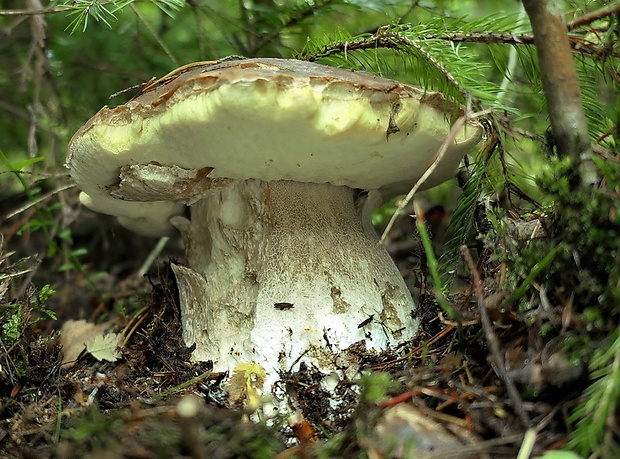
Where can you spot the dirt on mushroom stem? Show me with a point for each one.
(254, 246)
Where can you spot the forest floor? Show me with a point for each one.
(490, 386)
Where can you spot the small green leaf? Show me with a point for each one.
(18, 166)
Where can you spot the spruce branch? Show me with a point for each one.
(597, 414)
(100, 10)
(381, 39)
(72, 5)
(577, 43)
(388, 39)
(592, 16)
(35, 11)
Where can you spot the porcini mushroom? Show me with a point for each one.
(280, 163)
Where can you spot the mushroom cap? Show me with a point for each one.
(266, 119)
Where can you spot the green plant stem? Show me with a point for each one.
(180, 386)
(534, 272)
(433, 267)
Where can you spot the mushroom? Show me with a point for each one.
(269, 169)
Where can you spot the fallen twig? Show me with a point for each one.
(493, 341)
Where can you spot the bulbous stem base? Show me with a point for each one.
(284, 272)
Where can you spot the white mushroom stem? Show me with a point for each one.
(283, 272)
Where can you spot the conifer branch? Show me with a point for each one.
(390, 40)
(577, 43)
(35, 11)
(592, 16)
(381, 40)
(67, 7)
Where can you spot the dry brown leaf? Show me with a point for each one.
(75, 335)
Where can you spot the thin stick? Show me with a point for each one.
(35, 11)
(594, 16)
(410, 354)
(493, 341)
(154, 34)
(456, 127)
(153, 256)
(40, 199)
(133, 324)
